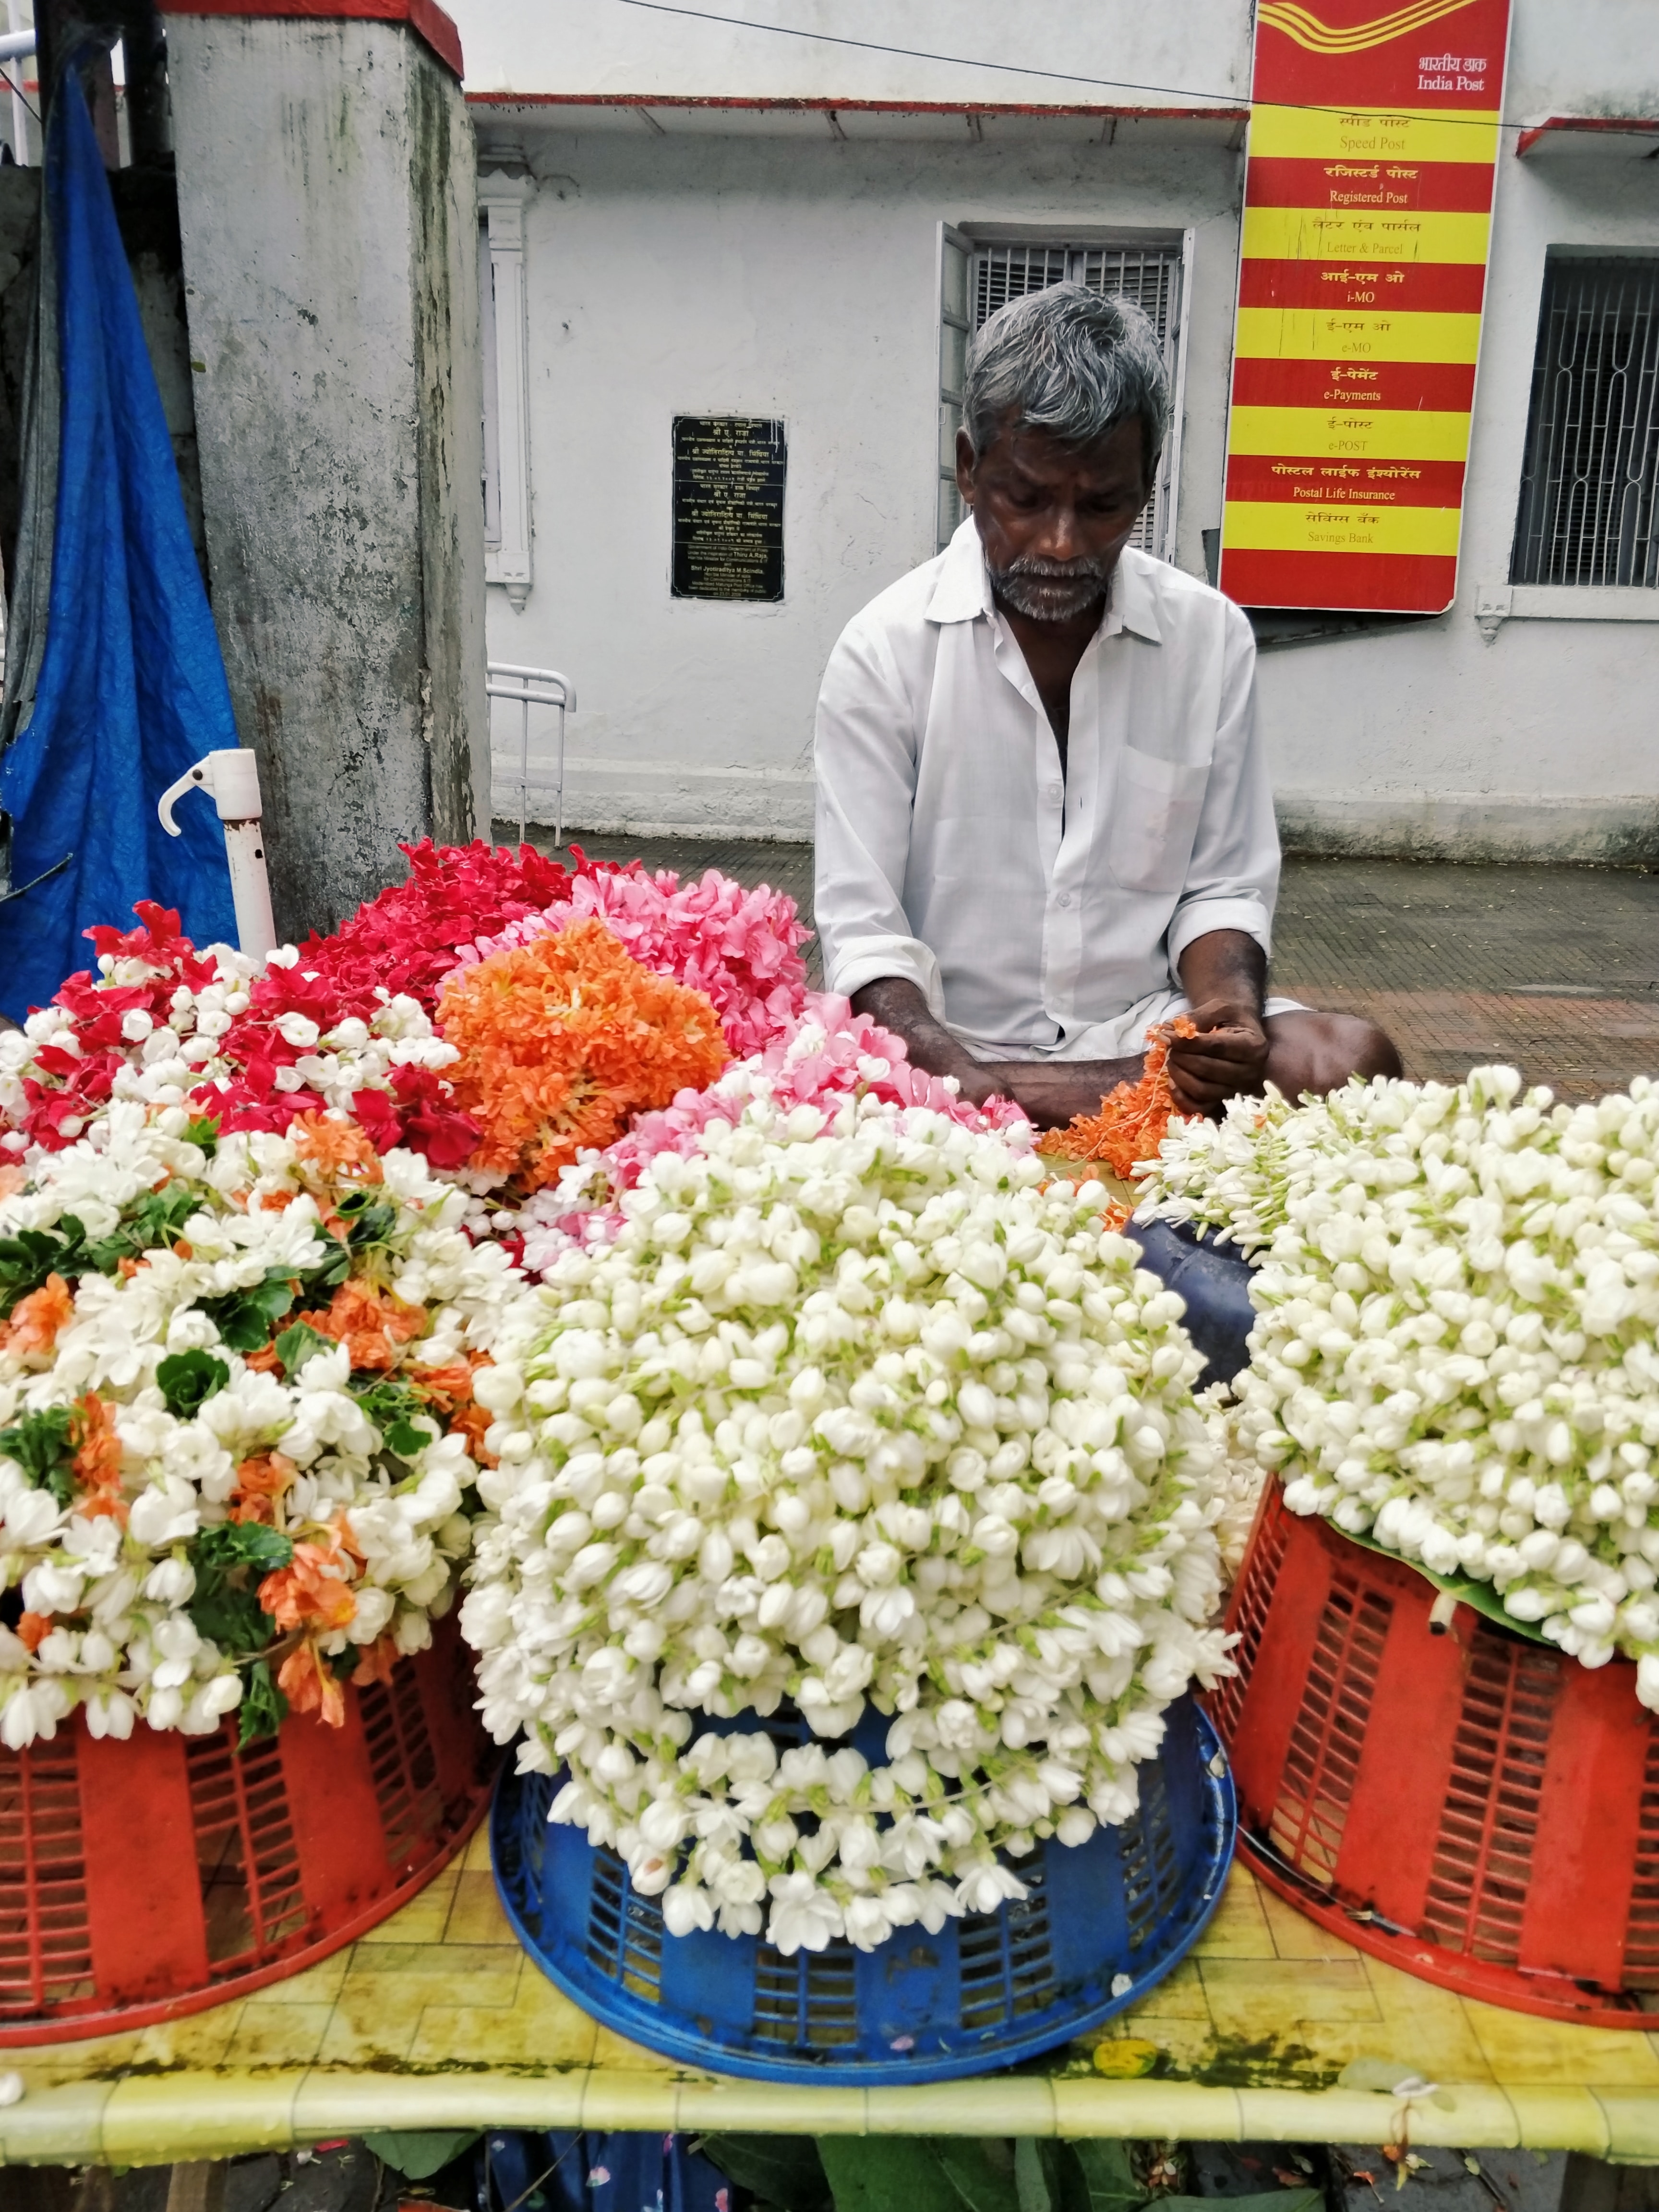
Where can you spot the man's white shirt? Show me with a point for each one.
(1042, 913)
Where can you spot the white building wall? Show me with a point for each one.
(779, 276)
(726, 261)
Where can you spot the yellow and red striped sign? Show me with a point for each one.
(1367, 211)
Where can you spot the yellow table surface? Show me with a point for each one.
(437, 2020)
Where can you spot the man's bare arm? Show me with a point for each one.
(1225, 976)
(1050, 1092)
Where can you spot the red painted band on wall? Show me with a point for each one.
(1369, 583)
(1444, 288)
(1444, 388)
(1368, 187)
(1378, 484)
(424, 17)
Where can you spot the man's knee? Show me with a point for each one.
(1315, 1052)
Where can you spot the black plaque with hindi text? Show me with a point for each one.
(728, 508)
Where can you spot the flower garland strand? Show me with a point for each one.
(1132, 1119)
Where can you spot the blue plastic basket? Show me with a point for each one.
(1102, 1922)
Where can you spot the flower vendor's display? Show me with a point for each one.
(843, 1408)
(1457, 1353)
(238, 1422)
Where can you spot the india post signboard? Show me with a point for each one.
(1367, 209)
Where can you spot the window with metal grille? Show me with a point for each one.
(1592, 476)
(977, 277)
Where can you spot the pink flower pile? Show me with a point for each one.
(738, 947)
(831, 1054)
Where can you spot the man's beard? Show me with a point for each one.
(1052, 591)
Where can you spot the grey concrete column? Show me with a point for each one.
(327, 199)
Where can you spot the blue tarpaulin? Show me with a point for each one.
(130, 687)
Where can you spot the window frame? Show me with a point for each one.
(503, 197)
(970, 239)
(1540, 549)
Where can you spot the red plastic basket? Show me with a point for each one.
(1473, 1807)
(144, 1880)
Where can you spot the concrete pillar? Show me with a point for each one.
(327, 201)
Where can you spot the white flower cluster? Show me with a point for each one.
(850, 1410)
(168, 1505)
(1455, 1354)
(165, 1061)
(1235, 1175)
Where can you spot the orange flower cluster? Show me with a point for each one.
(448, 1390)
(312, 1591)
(562, 1040)
(98, 1458)
(369, 1322)
(36, 1320)
(1132, 1119)
(311, 1685)
(260, 1481)
(340, 1151)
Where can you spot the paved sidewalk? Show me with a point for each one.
(1553, 970)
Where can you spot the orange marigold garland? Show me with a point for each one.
(1132, 1119)
(562, 1041)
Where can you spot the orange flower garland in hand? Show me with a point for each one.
(1132, 1119)
(562, 1040)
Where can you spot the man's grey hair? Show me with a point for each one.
(1068, 360)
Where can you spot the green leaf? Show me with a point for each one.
(204, 1131)
(230, 1543)
(42, 1445)
(301, 1342)
(399, 1413)
(244, 1318)
(369, 1220)
(917, 2173)
(188, 1380)
(153, 1224)
(418, 2156)
(784, 2171)
(230, 1559)
(1107, 2175)
(263, 1708)
(28, 1258)
(1479, 1597)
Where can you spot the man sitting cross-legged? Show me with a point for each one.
(1043, 819)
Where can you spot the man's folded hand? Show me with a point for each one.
(1227, 1057)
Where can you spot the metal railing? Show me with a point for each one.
(532, 687)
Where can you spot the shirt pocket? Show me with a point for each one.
(1155, 809)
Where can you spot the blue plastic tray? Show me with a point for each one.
(1120, 1909)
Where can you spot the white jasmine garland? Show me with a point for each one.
(1234, 1175)
(136, 1441)
(850, 1410)
(1457, 1353)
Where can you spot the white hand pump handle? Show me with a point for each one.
(231, 779)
